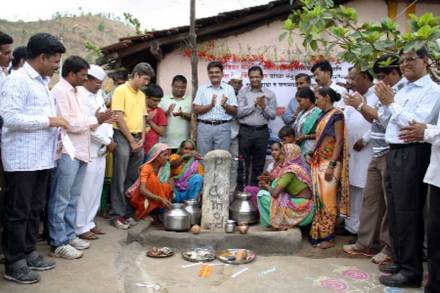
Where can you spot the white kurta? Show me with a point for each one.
(90, 198)
(357, 128)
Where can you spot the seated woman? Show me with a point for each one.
(287, 202)
(152, 190)
(270, 173)
(187, 172)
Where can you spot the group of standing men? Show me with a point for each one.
(390, 126)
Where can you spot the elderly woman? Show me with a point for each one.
(153, 189)
(287, 201)
(187, 172)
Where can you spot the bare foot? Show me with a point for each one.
(326, 244)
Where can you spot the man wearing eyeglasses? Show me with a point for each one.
(407, 162)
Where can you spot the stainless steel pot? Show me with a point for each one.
(193, 207)
(177, 218)
(242, 210)
(230, 226)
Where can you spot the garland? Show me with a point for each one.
(208, 55)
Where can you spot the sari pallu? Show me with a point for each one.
(286, 210)
(188, 181)
(325, 193)
(155, 183)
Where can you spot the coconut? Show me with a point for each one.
(196, 229)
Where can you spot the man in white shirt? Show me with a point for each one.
(101, 143)
(28, 155)
(5, 58)
(418, 100)
(360, 150)
(323, 73)
(373, 233)
(431, 134)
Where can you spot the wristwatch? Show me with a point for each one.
(359, 108)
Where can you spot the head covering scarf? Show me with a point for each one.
(155, 151)
(180, 149)
(293, 163)
(190, 167)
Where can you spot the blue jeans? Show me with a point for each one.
(64, 193)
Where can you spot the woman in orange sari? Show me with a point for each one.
(329, 166)
(152, 190)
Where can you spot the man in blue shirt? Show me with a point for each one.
(215, 104)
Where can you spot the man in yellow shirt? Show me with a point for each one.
(129, 101)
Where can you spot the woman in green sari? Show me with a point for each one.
(287, 201)
(305, 123)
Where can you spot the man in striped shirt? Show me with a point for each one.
(28, 155)
(373, 229)
(215, 104)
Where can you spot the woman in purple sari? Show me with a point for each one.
(187, 172)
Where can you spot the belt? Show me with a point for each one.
(261, 127)
(213, 122)
(396, 146)
(137, 134)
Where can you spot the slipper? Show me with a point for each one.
(88, 236)
(97, 231)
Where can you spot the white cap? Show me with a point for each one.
(236, 76)
(97, 72)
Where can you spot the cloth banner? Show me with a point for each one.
(282, 83)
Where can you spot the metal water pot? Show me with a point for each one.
(193, 207)
(242, 210)
(177, 218)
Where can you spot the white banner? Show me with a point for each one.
(282, 83)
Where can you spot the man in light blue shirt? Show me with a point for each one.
(215, 104)
(418, 100)
(28, 155)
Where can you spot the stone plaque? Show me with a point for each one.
(216, 188)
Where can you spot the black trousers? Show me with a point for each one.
(433, 285)
(252, 147)
(2, 200)
(24, 201)
(406, 195)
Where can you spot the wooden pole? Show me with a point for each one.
(194, 62)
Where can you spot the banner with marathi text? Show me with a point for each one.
(282, 83)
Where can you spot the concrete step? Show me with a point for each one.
(262, 241)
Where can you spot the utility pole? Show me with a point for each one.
(194, 63)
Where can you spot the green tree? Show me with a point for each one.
(327, 28)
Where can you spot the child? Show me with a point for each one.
(155, 117)
(287, 134)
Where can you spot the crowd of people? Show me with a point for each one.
(356, 158)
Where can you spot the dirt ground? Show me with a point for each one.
(112, 266)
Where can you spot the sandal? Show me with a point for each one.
(88, 236)
(97, 231)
